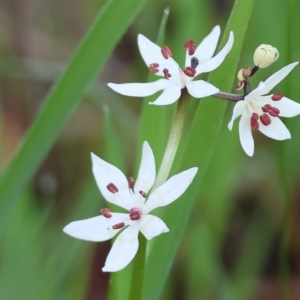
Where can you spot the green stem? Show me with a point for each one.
(138, 270)
(173, 141)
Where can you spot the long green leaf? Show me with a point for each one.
(198, 152)
(66, 95)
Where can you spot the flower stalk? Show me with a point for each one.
(173, 140)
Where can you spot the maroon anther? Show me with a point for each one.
(189, 71)
(265, 119)
(106, 212)
(135, 216)
(166, 52)
(254, 124)
(272, 111)
(153, 68)
(118, 226)
(166, 73)
(131, 182)
(277, 97)
(190, 45)
(143, 194)
(112, 188)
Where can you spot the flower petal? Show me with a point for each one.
(245, 133)
(277, 77)
(208, 46)
(288, 108)
(152, 226)
(146, 176)
(123, 250)
(170, 95)
(151, 53)
(201, 88)
(215, 62)
(237, 111)
(96, 229)
(171, 190)
(105, 174)
(139, 89)
(276, 130)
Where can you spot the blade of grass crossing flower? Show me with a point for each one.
(198, 152)
(66, 95)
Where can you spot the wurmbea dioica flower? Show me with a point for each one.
(160, 62)
(134, 198)
(262, 112)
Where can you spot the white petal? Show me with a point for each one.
(237, 111)
(288, 108)
(105, 174)
(277, 77)
(245, 133)
(256, 93)
(170, 95)
(208, 46)
(146, 176)
(95, 229)
(201, 88)
(152, 226)
(215, 62)
(123, 250)
(151, 53)
(276, 130)
(139, 89)
(171, 190)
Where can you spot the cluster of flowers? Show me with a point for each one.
(258, 111)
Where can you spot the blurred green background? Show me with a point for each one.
(243, 231)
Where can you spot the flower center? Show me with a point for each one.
(135, 213)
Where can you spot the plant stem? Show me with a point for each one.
(138, 270)
(228, 96)
(173, 141)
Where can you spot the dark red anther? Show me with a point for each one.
(143, 194)
(131, 182)
(106, 212)
(166, 73)
(274, 112)
(118, 226)
(265, 119)
(253, 122)
(135, 213)
(112, 188)
(166, 52)
(277, 97)
(189, 71)
(190, 46)
(153, 68)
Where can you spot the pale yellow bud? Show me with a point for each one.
(240, 75)
(265, 55)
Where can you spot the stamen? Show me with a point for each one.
(166, 73)
(253, 122)
(189, 71)
(131, 182)
(166, 52)
(135, 213)
(106, 212)
(272, 111)
(194, 62)
(112, 188)
(277, 97)
(143, 194)
(190, 46)
(153, 68)
(265, 119)
(118, 226)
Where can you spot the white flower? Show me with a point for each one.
(119, 190)
(262, 112)
(198, 60)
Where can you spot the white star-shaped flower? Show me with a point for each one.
(262, 112)
(159, 61)
(131, 196)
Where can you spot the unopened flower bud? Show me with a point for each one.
(265, 55)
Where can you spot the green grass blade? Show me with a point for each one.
(62, 101)
(198, 152)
